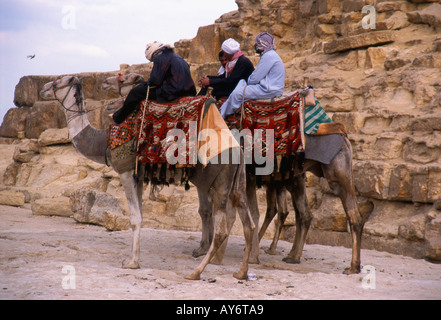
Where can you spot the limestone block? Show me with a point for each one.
(414, 228)
(400, 187)
(375, 57)
(44, 115)
(12, 198)
(430, 15)
(14, 122)
(26, 151)
(394, 6)
(433, 235)
(388, 147)
(94, 207)
(397, 21)
(330, 215)
(52, 207)
(372, 178)
(53, 136)
(422, 149)
(353, 121)
(359, 41)
(27, 90)
(10, 175)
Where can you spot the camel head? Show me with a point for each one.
(122, 84)
(59, 89)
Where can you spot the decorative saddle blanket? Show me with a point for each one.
(280, 114)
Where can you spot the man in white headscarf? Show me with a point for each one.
(266, 82)
(169, 80)
(238, 67)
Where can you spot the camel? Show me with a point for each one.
(205, 202)
(340, 178)
(226, 191)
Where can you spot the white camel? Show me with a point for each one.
(227, 190)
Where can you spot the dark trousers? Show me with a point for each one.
(135, 96)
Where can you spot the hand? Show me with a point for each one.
(204, 82)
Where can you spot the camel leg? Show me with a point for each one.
(134, 199)
(248, 230)
(270, 209)
(219, 256)
(205, 208)
(282, 214)
(339, 176)
(254, 209)
(222, 217)
(303, 217)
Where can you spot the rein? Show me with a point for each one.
(78, 100)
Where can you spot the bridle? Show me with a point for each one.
(78, 98)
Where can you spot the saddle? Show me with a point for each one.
(282, 115)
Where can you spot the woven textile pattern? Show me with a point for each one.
(122, 133)
(279, 114)
(159, 119)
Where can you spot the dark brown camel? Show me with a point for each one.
(339, 176)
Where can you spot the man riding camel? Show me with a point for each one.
(237, 67)
(169, 80)
(266, 82)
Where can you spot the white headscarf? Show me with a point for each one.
(230, 46)
(153, 47)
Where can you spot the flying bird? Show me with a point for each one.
(31, 56)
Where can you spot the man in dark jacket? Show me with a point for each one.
(169, 80)
(237, 68)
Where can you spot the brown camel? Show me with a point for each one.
(226, 190)
(205, 202)
(339, 176)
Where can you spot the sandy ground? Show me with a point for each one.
(56, 258)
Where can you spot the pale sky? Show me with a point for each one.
(72, 36)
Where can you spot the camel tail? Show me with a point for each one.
(238, 189)
(238, 182)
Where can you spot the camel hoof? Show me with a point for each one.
(352, 270)
(291, 260)
(198, 252)
(130, 265)
(271, 252)
(241, 275)
(193, 276)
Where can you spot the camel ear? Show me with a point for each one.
(139, 79)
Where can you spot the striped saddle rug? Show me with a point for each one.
(281, 114)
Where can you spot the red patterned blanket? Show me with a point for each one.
(280, 114)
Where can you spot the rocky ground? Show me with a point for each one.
(48, 258)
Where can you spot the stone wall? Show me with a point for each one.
(383, 84)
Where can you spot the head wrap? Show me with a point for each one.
(230, 46)
(265, 42)
(154, 47)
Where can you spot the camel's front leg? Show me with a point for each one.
(134, 199)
